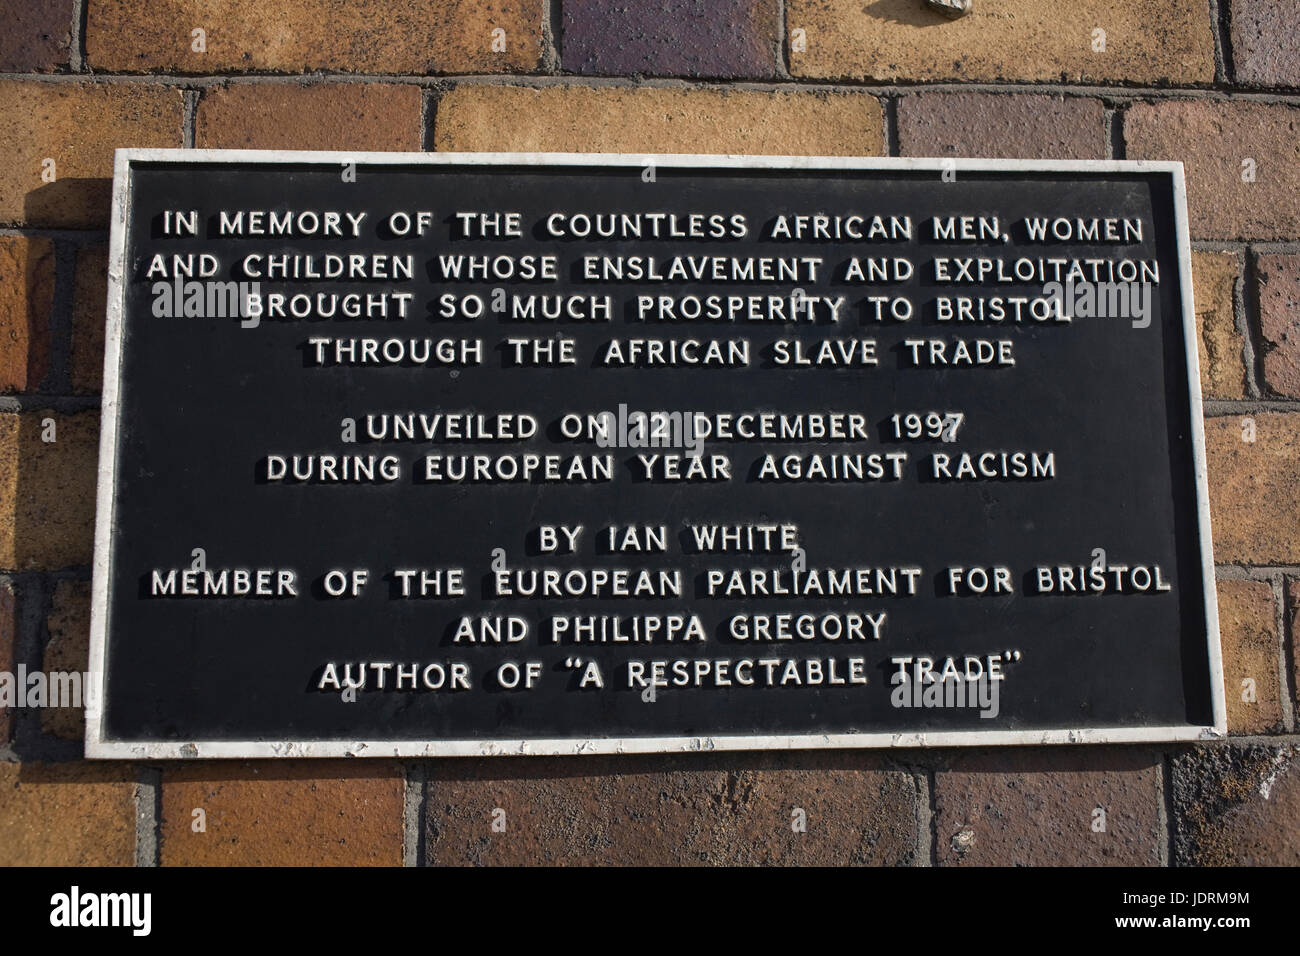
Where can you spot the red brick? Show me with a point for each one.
(1147, 42)
(37, 35)
(68, 651)
(75, 814)
(370, 116)
(1265, 43)
(274, 813)
(1002, 126)
(302, 36)
(78, 125)
(1254, 487)
(673, 810)
(8, 637)
(26, 303)
(89, 308)
(649, 119)
(1279, 316)
(1237, 806)
(1293, 610)
(1213, 139)
(1249, 639)
(1037, 808)
(47, 490)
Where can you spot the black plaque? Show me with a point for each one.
(967, 505)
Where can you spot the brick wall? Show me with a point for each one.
(1214, 83)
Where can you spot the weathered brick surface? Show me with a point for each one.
(37, 35)
(608, 119)
(8, 634)
(79, 814)
(68, 651)
(1279, 319)
(1002, 126)
(1213, 139)
(464, 38)
(89, 308)
(1294, 656)
(47, 490)
(1219, 345)
(78, 125)
(1146, 41)
(1265, 43)
(373, 116)
(1293, 611)
(1237, 806)
(723, 38)
(277, 813)
(300, 36)
(26, 301)
(672, 810)
(1037, 808)
(1248, 637)
(1254, 488)
(1232, 804)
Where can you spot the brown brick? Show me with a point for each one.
(78, 125)
(76, 814)
(1265, 44)
(1237, 806)
(672, 810)
(8, 635)
(272, 813)
(1254, 487)
(301, 36)
(26, 302)
(1213, 139)
(1293, 611)
(89, 308)
(1279, 316)
(1146, 41)
(68, 651)
(463, 36)
(1248, 635)
(47, 490)
(1219, 345)
(373, 116)
(1001, 126)
(37, 35)
(1036, 808)
(645, 119)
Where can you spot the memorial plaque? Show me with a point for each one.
(411, 454)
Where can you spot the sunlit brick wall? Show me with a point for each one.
(1213, 83)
